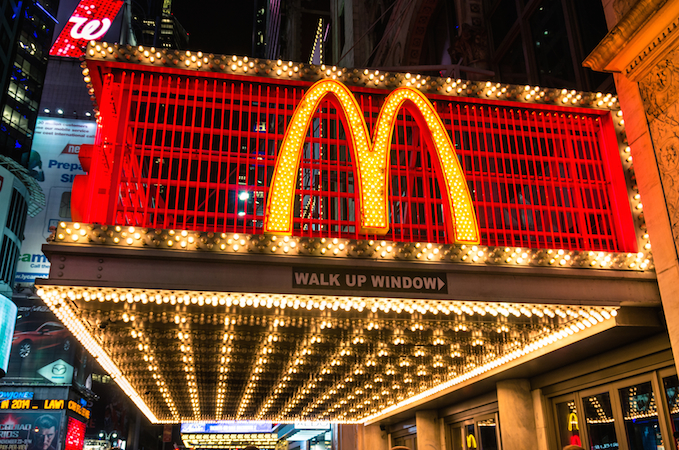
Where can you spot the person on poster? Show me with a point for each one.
(44, 436)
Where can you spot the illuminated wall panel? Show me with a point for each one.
(199, 152)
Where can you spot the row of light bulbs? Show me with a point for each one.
(595, 316)
(350, 248)
(368, 77)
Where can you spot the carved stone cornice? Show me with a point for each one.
(639, 38)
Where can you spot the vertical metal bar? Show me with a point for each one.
(173, 150)
(575, 175)
(128, 163)
(522, 185)
(555, 182)
(209, 127)
(605, 203)
(119, 147)
(220, 152)
(149, 177)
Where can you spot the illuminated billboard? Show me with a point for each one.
(43, 351)
(272, 148)
(53, 162)
(8, 313)
(91, 20)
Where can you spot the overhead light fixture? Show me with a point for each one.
(60, 111)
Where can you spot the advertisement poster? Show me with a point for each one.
(8, 313)
(43, 350)
(36, 430)
(53, 162)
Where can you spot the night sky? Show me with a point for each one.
(217, 26)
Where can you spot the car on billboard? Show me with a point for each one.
(48, 335)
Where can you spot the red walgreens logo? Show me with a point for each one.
(90, 21)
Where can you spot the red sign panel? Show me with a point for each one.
(90, 21)
(75, 435)
(200, 153)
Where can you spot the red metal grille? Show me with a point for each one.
(198, 153)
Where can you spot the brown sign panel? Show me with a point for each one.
(368, 280)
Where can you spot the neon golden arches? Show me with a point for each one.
(462, 224)
(279, 206)
(371, 163)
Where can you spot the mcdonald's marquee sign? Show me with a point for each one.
(226, 144)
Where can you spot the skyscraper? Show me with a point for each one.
(25, 38)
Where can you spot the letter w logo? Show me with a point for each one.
(371, 162)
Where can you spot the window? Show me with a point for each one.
(625, 414)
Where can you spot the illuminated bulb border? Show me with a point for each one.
(423, 253)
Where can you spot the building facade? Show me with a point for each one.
(417, 260)
(26, 38)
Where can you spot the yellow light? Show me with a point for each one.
(372, 162)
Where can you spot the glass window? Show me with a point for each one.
(502, 20)
(671, 385)
(471, 437)
(487, 434)
(600, 421)
(512, 66)
(640, 413)
(456, 438)
(568, 423)
(552, 49)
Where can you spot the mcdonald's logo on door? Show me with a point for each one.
(371, 159)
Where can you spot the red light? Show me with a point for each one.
(75, 435)
(540, 176)
(91, 20)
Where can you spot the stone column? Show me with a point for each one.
(374, 438)
(517, 417)
(642, 50)
(541, 420)
(346, 436)
(428, 430)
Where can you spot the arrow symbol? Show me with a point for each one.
(441, 283)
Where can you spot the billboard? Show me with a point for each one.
(44, 351)
(35, 430)
(8, 313)
(91, 20)
(53, 162)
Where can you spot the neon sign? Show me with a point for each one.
(91, 20)
(371, 162)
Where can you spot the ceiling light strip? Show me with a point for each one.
(65, 314)
(151, 360)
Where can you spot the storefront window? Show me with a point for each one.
(672, 392)
(600, 422)
(471, 437)
(457, 438)
(568, 423)
(640, 414)
(487, 434)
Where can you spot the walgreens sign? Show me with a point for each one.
(91, 20)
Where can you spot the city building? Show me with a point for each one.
(291, 243)
(153, 24)
(383, 294)
(26, 35)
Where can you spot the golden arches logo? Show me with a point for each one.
(371, 162)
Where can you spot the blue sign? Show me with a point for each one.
(227, 427)
(16, 395)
